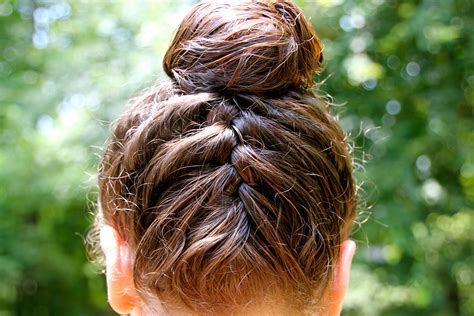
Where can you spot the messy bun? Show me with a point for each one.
(259, 47)
(231, 183)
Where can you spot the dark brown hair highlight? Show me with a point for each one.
(231, 181)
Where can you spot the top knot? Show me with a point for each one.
(258, 47)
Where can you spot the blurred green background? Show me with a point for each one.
(403, 69)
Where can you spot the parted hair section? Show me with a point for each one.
(230, 181)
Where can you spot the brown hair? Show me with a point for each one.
(231, 182)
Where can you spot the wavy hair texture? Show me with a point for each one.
(230, 181)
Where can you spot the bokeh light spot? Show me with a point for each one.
(393, 107)
(413, 69)
(423, 163)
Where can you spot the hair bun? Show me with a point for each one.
(257, 47)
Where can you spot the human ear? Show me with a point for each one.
(121, 292)
(341, 277)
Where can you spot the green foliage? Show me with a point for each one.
(404, 68)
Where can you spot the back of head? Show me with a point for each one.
(230, 182)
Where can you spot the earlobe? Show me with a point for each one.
(341, 277)
(120, 287)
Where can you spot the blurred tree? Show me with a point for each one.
(404, 68)
(65, 69)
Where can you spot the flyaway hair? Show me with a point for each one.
(230, 181)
